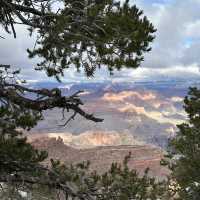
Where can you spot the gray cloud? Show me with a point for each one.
(13, 52)
(175, 49)
(177, 23)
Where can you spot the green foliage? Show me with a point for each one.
(121, 183)
(184, 154)
(118, 183)
(82, 34)
(18, 117)
(17, 155)
(92, 35)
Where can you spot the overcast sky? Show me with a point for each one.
(175, 53)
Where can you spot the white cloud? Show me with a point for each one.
(190, 72)
(193, 29)
(172, 33)
(175, 50)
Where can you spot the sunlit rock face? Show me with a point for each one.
(122, 96)
(90, 139)
(149, 104)
(132, 114)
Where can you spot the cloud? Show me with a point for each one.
(175, 50)
(177, 23)
(193, 29)
(13, 52)
(177, 72)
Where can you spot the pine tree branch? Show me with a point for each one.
(26, 9)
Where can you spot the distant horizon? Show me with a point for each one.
(159, 81)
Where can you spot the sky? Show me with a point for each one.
(175, 53)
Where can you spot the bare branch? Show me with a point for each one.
(51, 99)
(70, 118)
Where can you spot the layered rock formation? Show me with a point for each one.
(101, 158)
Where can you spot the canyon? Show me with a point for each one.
(138, 118)
(101, 157)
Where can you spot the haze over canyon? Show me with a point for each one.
(138, 117)
(133, 113)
